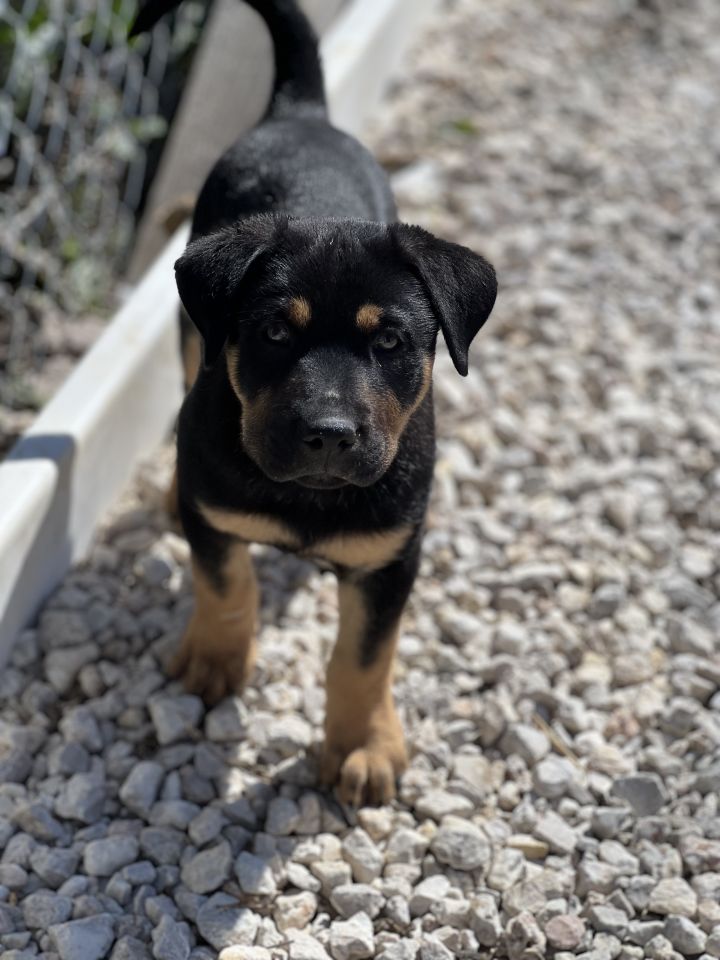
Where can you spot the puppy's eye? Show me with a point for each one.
(387, 340)
(277, 332)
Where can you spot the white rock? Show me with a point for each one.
(351, 898)
(352, 939)
(673, 896)
(437, 804)
(365, 860)
(428, 892)
(295, 910)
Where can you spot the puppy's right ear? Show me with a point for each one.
(214, 272)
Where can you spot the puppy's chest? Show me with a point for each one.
(360, 549)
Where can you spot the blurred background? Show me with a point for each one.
(84, 116)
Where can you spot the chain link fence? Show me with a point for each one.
(83, 115)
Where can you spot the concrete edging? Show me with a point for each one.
(120, 400)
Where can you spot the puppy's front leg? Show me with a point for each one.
(217, 653)
(364, 744)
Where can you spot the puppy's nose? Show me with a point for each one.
(330, 433)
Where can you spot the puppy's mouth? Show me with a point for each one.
(321, 481)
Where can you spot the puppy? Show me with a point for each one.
(310, 423)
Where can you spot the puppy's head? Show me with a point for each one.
(329, 330)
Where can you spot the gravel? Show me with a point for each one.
(559, 670)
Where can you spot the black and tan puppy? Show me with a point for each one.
(310, 424)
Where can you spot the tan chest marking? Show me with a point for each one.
(252, 527)
(368, 551)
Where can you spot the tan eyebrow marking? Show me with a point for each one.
(299, 312)
(368, 317)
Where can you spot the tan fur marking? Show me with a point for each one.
(393, 417)
(217, 653)
(254, 412)
(364, 742)
(368, 317)
(251, 527)
(192, 358)
(368, 551)
(299, 312)
(231, 359)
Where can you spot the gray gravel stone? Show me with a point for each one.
(222, 922)
(552, 777)
(62, 666)
(12, 876)
(89, 938)
(175, 718)
(608, 919)
(36, 820)
(15, 764)
(288, 735)
(643, 791)
(526, 741)
(434, 950)
(283, 817)
(83, 798)
(129, 948)
(254, 875)
(162, 845)
(461, 845)
(553, 830)
(351, 898)
(54, 866)
(171, 940)
(206, 826)
(685, 936)
(209, 869)
(43, 908)
(141, 787)
(101, 858)
(227, 723)
(80, 725)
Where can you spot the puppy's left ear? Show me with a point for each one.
(460, 285)
(215, 271)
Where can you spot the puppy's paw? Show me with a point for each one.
(365, 774)
(209, 672)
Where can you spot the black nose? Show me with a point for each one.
(330, 433)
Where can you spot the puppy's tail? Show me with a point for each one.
(298, 87)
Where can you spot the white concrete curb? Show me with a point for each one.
(120, 401)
